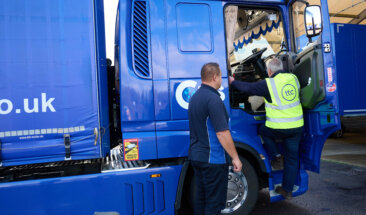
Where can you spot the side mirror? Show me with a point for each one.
(313, 20)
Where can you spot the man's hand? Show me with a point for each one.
(231, 79)
(237, 165)
(227, 142)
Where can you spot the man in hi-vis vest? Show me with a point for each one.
(284, 119)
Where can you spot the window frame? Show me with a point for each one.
(291, 22)
(249, 6)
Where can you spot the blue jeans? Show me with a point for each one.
(290, 139)
(211, 187)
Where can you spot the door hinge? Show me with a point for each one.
(326, 47)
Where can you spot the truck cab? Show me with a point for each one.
(114, 139)
(164, 72)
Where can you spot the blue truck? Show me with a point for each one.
(79, 136)
(350, 47)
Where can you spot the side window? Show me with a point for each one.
(253, 35)
(301, 40)
(309, 67)
(194, 36)
(194, 27)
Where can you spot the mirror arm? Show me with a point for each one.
(305, 2)
(310, 39)
(313, 25)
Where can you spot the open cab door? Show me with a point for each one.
(301, 41)
(311, 60)
(314, 67)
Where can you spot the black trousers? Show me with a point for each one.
(211, 187)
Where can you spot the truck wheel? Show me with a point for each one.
(339, 133)
(242, 190)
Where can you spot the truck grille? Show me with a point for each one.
(113, 162)
(140, 39)
(50, 170)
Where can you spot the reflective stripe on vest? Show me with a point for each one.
(284, 112)
(283, 107)
(274, 89)
(293, 119)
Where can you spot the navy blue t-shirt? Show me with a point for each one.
(207, 115)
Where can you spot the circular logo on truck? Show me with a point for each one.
(186, 90)
(289, 92)
(188, 93)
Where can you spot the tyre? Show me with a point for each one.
(339, 133)
(242, 190)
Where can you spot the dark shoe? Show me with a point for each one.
(277, 163)
(284, 193)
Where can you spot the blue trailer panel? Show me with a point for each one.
(49, 78)
(350, 45)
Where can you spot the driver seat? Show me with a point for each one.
(288, 61)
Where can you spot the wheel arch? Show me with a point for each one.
(256, 160)
(187, 173)
(183, 187)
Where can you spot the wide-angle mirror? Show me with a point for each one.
(313, 20)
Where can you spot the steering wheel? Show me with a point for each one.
(254, 56)
(257, 62)
(273, 55)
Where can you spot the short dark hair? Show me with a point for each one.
(209, 70)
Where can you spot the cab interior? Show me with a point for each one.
(255, 35)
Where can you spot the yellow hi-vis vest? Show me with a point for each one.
(285, 111)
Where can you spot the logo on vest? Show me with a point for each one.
(288, 92)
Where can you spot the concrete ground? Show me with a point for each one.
(349, 149)
(339, 189)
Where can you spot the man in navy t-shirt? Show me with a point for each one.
(211, 143)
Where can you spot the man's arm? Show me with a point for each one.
(251, 89)
(219, 120)
(228, 144)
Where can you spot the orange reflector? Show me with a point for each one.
(155, 175)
